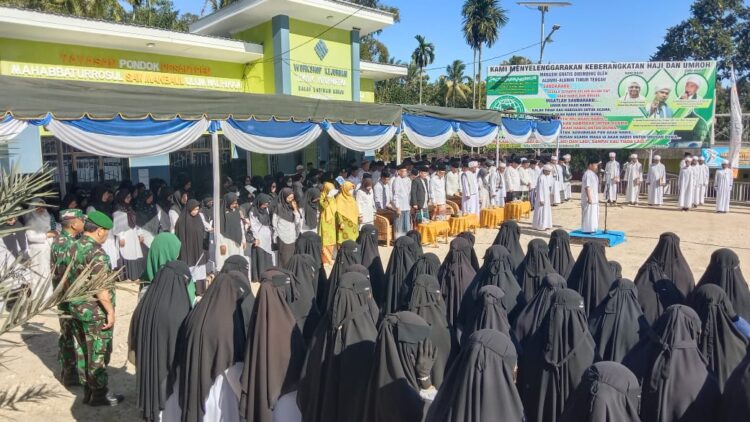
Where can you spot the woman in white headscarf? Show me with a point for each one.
(39, 232)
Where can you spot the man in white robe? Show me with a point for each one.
(401, 196)
(702, 182)
(453, 182)
(525, 180)
(612, 177)
(723, 180)
(437, 193)
(544, 197)
(686, 184)
(470, 190)
(567, 177)
(512, 181)
(696, 180)
(501, 191)
(492, 177)
(557, 176)
(590, 198)
(530, 168)
(656, 180)
(40, 235)
(633, 175)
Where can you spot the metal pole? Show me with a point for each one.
(557, 148)
(542, 9)
(216, 170)
(61, 169)
(497, 149)
(650, 157)
(398, 149)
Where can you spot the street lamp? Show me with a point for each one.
(543, 7)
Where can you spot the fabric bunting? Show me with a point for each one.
(360, 137)
(519, 131)
(10, 128)
(270, 137)
(477, 134)
(427, 132)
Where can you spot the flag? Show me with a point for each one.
(735, 126)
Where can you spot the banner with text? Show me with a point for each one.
(715, 155)
(613, 105)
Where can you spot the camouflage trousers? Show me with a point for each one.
(93, 350)
(66, 354)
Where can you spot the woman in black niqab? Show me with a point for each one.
(668, 255)
(261, 257)
(428, 264)
(403, 257)
(559, 252)
(724, 271)
(510, 237)
(309, 243)
(487, 311)
(720, 342)
(146, 214)
(533, 314)
(401, 347)
(303, 272)
(591, 275)
(534, 267)
(455, 275)
(236, 263)
(368, 247)
(472, 240)
(496, 271)
(427, 302)
(608, 392)
(340, 356)
(735, 403)
(275, 351)
(310, 207)
(480, 386)
(676, 385)
(348, 254)
(192, 233)
(616, 269)
(417, 238)
(154, 328)
(618, 324)
(656, 292)
(555, 358)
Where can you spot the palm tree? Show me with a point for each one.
(482, 21)
(455, 81)
(422, 56)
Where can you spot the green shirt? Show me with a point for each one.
(85, 251)
(60, 258)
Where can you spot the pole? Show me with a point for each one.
(398, 149)
(557, 148)
(61, 169)
(497, 149)
(650, 157)
(542, 9)
(216, 170)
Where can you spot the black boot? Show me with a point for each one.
(70, 378)
(86, 395)
(104, 397)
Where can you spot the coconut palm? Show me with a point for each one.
(481, 25)
(422, 56)
(455, 81)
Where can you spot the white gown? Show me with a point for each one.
(687, 187)
(656, 176)
(723, 181)
(612, 174)
(469, 193)
(702, 182)
(543, 211)
(590, 212)
(633, 175)
(40, 250)
(222, 403)
(557, 186)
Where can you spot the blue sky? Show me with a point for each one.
(592, 30)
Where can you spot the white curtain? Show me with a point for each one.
(127, 146)
(548, 139)
(477, 141)
(268, 144)
(361, 143)
(427, 142)
(11, 129)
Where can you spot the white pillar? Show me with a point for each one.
(61, 169)
(650, 157)
(216, 170)
(398, 149)
(497, 150)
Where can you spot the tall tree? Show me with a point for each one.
(422, 56)
(455, 81)
(517, 61)
(482, 20)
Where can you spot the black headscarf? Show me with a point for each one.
(534, 267)
(275, 351)
(427, 302)
(146, 215)
(104, 207)
(310, 205)
(720, 342)
(231, 221)
(480, 387)
(403, 257)
(472, 240)
(192, 233)
(283, 208)
(608, 392)
(616, 269)
(236, 263)
(262, 214)
(487, 311)
(309, 243)
(347, 255)
(122, 206)
(676, 384)
(153, 334)
(533, 314)
(417, 237)
(668, 255)
(368, 247)
(510, 237)
(164, 199)
(211, 340)
(393, 390)
(724, 270)
(618, 324)
(303, 271)
(735, 404)
(555, 358)
(455, 275)
(656, 292)
(207, 208)
(428, 264)
(559, 252)
(591, 275)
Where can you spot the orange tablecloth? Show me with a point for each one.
(491, 217)
(432, 230)
(517, 209)
(463, 223)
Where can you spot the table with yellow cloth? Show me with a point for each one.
(517, 209)
(430, 231)
(460, 224)
(491, 217)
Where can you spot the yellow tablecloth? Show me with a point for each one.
(517, 209)
(491, 217)
(463, 223)
(432, 230)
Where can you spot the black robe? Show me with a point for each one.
(347, 255)
(427, 302)
(403, 257)
(455, 275)
(309, 243)
(591, 275)
(487, 311)
(616, 269)
(472, 240)
(417, 239)
(559, 252)
(608, 392)
(192, 234)
(509, 236)
(310, 206)
(236, 263)
(393, 388)
(368, 247)
(153, 334)
(534, 268)
(480, 385)
(720, 342)
(724, 270)
(302, 269)
(618, 324)
(735, 403)
(275, 351)
(668, 256)
(656, 292)
(533, 314)
(428, 264)
(331, 386)
(555, 358)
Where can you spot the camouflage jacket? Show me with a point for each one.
(85, 251)
(60, 258)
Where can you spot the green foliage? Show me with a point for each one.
(517, 61)
(422, 56)
(160, 14)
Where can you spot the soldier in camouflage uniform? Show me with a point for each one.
(72, 227)
(95, 317)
